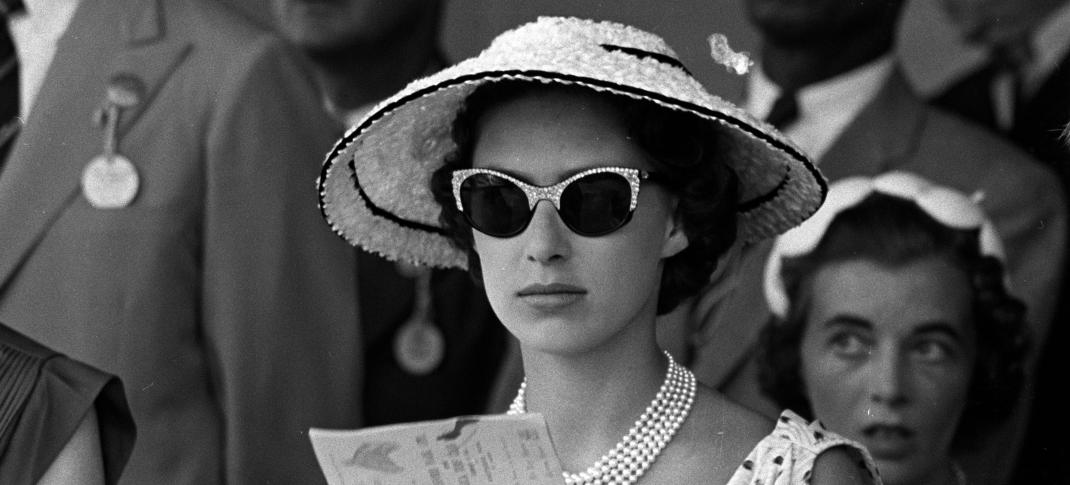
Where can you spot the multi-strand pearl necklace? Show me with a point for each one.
(634, 454)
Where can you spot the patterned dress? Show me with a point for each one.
(44, 397)
(786, 456)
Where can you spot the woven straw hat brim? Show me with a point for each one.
(375, 184)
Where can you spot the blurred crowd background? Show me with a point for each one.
(932, 54)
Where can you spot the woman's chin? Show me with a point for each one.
(901, 471)
(558, 336)
(554, 337)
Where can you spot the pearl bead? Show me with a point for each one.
(637, 450)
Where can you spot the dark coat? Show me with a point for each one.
(1038, 124)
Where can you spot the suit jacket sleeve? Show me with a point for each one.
(279, 310)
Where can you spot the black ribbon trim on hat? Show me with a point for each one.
(549, 75)
(380, 212)
(644, 54)
(749, 205)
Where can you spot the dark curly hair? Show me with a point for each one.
(893, 231)
(681, 147)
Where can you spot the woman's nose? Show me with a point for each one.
(888, 380)
(546, 236)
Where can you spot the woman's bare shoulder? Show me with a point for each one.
(718, 436)
(736, 426)
(713, 442)
(841, 465)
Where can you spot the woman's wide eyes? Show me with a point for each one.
(932, 350)
(849, 344)
(855, 345)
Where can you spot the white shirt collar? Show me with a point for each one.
(1050, 43)
(348, 118)
(36, 32)
(825, 108)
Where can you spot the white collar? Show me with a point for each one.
(44, 8)
(349, 118)
(1050, 42)
(763, 92)
(36, 32)
(825, 108)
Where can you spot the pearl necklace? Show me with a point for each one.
(634, 454)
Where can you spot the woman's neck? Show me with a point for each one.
(590, 401)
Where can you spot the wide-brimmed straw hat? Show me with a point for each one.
(375, 185)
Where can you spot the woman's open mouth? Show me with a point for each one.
(888, 441)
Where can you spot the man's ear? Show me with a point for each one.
(675, 239)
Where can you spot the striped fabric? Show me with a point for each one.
(18, 373)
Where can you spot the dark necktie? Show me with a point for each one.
(785, 111)
(9, 80)
(1009, 61)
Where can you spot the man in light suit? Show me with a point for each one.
(855, 114)
(200, 271)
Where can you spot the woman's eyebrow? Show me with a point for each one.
(848, 320)
(939, 327)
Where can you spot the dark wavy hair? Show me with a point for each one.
(681, 147)
(893, 231)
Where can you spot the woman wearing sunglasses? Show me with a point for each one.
(590, 183)
(894, 326)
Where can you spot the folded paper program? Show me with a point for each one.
(478, 450)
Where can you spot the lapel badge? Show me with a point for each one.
(419, 345)
(110, 180)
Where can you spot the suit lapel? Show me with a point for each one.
(43, 174)
(882, 137)
(146, 58)
(730, 327)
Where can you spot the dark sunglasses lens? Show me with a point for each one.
(597, 204)
(494, 206)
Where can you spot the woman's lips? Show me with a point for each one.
(551, 296)
(888, 441)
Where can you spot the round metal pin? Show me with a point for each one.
(110, 182)
(419, 347)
